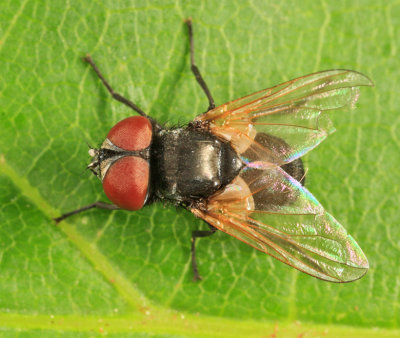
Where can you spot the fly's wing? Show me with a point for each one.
(294, 111)
(273, 213)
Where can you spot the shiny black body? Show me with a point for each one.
(188, 164)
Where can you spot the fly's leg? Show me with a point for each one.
(115, 95)
(199, 234)
(98, 204)
(195, 69)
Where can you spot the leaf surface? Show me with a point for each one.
(132, 269)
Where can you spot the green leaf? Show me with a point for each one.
(129, 272)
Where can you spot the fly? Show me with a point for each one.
(238, 167)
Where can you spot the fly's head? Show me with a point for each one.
(122, 163)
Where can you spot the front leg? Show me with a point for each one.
(115, 95)
(98, 204)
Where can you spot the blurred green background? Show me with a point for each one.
(129, 272)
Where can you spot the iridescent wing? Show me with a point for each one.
(273, 213)
(295, 111)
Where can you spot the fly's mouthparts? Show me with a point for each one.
(93, 152)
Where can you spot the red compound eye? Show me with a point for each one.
(126, 182)
(132, 133)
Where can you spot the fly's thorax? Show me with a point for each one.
(189, 164)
